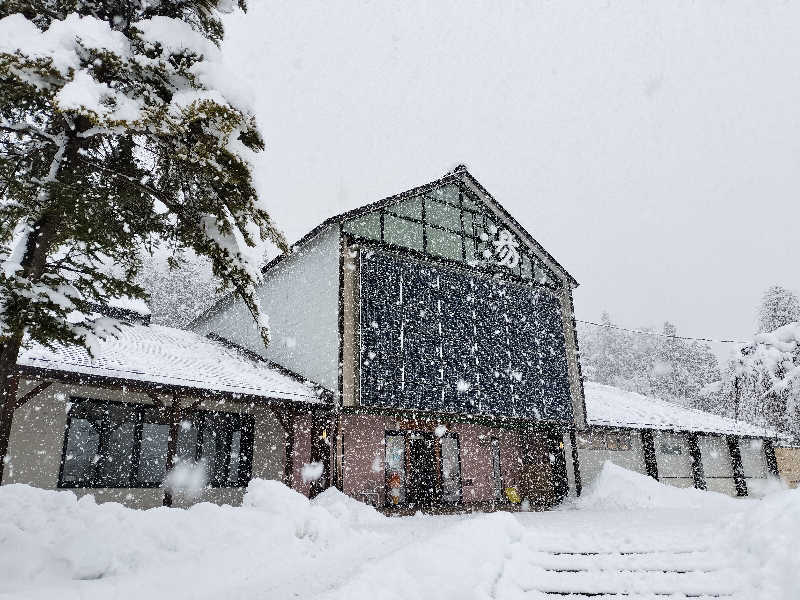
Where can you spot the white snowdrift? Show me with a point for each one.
(766, 540)
(47, 536)
(616, 488)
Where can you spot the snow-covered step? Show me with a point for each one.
(531, 578)
(640, 561)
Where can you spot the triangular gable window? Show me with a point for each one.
(449, 222)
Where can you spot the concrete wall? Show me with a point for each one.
(673, 459)
(301, 297)
(788, 459)
(592, 456)
(39, 427)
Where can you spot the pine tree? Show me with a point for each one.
(118, 129)
(779, 307)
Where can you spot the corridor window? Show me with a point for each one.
(112, 444)
(619, 440)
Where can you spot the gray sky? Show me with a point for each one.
(652, 147)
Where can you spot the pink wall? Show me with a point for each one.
(363, 444)
(363, 464)
(476, 460)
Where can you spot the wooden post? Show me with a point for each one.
(649, 450)
(736, 465)
(697, 461)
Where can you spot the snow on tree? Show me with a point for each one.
(178, 294)
(650, 363)
(779, 307)
(767, 379)
(119, 129)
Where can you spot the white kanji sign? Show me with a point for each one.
(505, 249)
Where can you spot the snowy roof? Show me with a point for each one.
(610, 406)
(173, 357)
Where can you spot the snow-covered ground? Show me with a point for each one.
(627, 534)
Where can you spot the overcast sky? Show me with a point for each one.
(652, 147)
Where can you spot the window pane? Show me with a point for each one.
(367, 226)
(451, 470)
(83, 440)
(213, 450)
(443, 215)
(116, 459)
(448, 193)
(408, 208)
(396, 469)
(473, 223)
(153, 452)
(469, 202)
(402, 232)
(443, 243)
(234, 458)
(187, 441)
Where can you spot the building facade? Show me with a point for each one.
(446, 333)
(424, 355)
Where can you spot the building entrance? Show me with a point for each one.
(422, 480)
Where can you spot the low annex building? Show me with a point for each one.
(424, 354)
(677, 445)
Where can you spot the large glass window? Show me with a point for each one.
(450, 223)
(111, 444)
(402, 232)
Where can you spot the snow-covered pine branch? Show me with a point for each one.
(119, 128)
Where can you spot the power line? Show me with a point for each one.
(664, 335)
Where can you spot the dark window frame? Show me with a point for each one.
(244, 423)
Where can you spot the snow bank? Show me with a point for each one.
(52, 536)
(765, 538)
(616, 488)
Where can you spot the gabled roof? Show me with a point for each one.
(156, 356)
(613, 407)
(459, 175)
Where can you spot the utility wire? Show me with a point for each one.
(664, 335)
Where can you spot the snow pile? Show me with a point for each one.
(49, 536)
(765, 537)
(616, 488)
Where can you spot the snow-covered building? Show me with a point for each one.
(677, 445)
(446, 334)
(424, 353)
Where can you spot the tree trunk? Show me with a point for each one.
(9, 381)
(33, 263)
